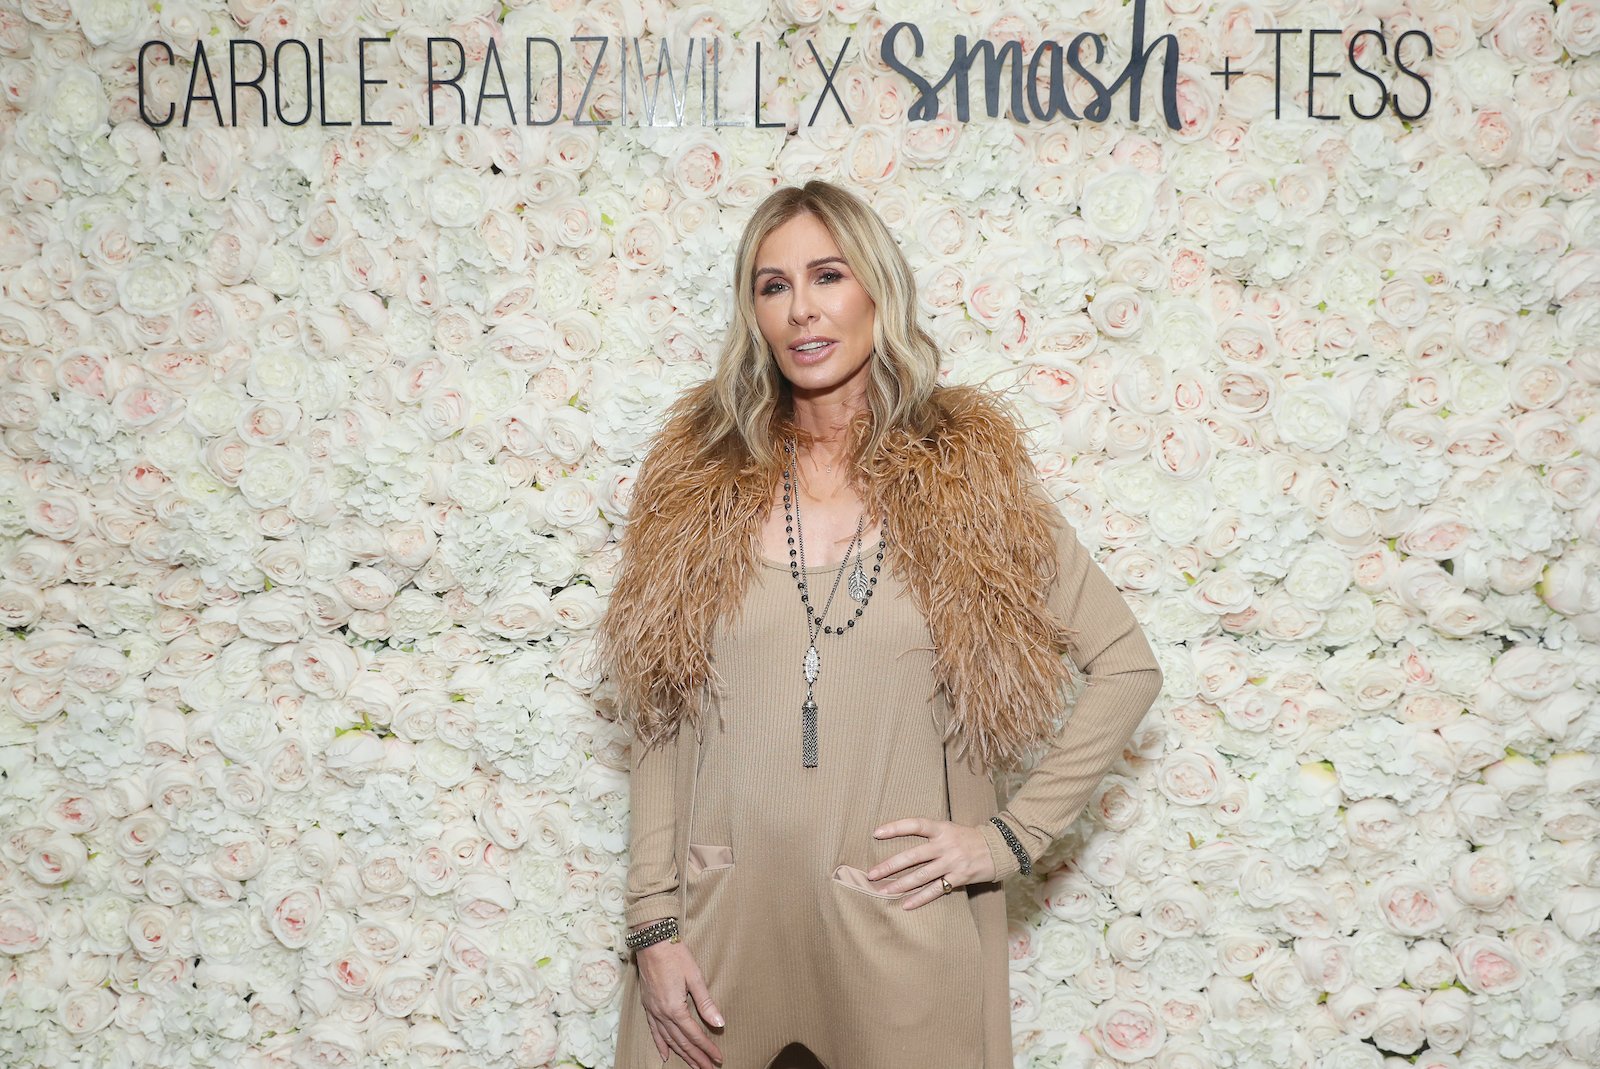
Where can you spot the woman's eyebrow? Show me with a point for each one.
(824, 260)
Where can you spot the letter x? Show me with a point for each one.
(828, 85)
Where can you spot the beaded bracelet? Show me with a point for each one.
(1016, 847)
(665, 928)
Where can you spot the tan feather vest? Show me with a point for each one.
(969, 532)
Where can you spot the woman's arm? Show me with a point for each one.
(1122, 681)
(652, 890)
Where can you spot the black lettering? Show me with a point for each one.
(277, 84)
(363, 81)
(201, 63)
(759, 124)
(1059, 101)
(322, 93)
(1383, 90)
(578, 119)
(1312, 74)
(527, 83)
(1098, 109)
(493, 55)
(926, 106)
(827, 86)
(1427, 90)
(255, 83)
(453, 82)
(1277, 68)
(993, 62)
(143, 114)
(1139, 60)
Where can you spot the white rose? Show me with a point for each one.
(1447, 1019)
(442, 764)
(1397, 1021)
(400, 988)
(1281, 983)
(75, 102)
(1117, 205)
(271, 476)
(152, 286)
(1176, 908)
(1577, 913)
(1429, 964)
(225, 935)
(1313, 415)
(1482, 880)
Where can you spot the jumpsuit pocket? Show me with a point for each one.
(856, 879)
(703, 858)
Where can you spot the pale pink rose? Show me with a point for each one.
(379, 939)
(292, 915)
(1577, 26)
(1326, 965)
(1281, 983)
(324, 667)
(1488, 965)
(382, 872)
(1482, 880)
(1191, 777)
(457, 994)
(148, 930)
(1119, 310)
(1408, 904)
(482, 900)
(1375, 823)
(82, 1011)
(353, 973)
(1526, 32)
(1128, 1031)
(1241, 953)
(1354, 1007)
(205, 888)
(238, 857)
(595, 979)
(287, 764)
(23, 926)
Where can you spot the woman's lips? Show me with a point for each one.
(815, 355)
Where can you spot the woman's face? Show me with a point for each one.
(805, 290)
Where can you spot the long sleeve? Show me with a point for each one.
(652, 888)
(1122, 680)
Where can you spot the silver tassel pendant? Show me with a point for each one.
(808, 733)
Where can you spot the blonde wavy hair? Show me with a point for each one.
(747, 406)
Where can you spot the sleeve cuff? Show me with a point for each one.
(653, 908)
(1005, 862)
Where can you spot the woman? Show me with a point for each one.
(846, 585)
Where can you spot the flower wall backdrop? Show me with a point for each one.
(317, 441)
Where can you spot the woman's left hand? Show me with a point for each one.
(957, 852)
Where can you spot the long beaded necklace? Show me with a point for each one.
(860, 589)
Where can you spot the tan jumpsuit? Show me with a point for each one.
(763, 860)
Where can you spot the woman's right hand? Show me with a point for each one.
(668, 976)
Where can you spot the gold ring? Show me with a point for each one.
(946, 885)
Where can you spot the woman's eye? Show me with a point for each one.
(769, 287)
